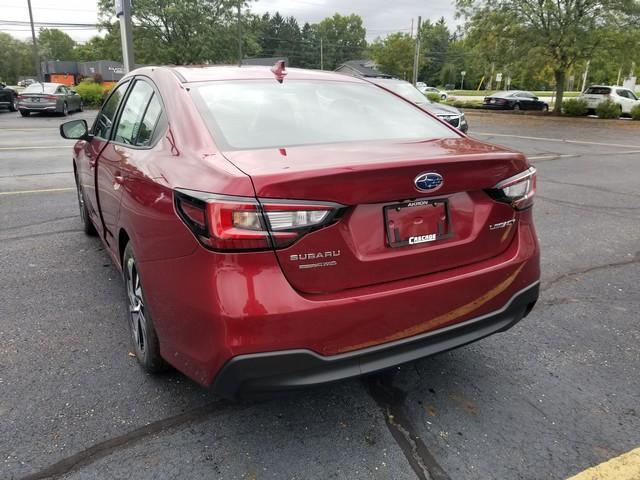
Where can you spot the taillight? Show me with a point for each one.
(21, 97)
(228, 223)
(518, 191)
(50, 97)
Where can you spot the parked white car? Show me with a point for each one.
(624, 97)
(424, 89)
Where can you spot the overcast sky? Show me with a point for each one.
(380, 16)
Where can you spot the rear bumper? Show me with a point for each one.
(288, 369)
(45, 107)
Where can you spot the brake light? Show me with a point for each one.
(50, 97)
(228, 223)
(518, 190)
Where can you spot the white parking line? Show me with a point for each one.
(551, 156)
(558, 140)
(47, 147)
(44, 190)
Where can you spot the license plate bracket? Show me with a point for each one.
(416, 222)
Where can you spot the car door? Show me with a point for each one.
(119, 152)
(89, 152)
(627, 99)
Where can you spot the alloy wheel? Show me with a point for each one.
(137, 319)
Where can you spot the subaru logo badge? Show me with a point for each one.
(428, 182)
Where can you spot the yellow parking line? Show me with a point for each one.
(624, 467)
(49, 147)
(44, 190)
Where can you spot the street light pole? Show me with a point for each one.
(239, 33)
(416, 58)
(123, 11)
(36, 59)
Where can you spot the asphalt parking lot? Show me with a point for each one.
(558, 393)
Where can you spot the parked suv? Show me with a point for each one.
(597, 94)
(275, 232)
(444, 112)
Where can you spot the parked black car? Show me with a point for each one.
(514, 100)
(445, 112)
(8, 98)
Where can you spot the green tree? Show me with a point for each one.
(394, 54)
(343, 39)
(54, 44)
(15, 59)
(561, 32)
(434, 47)
(183, 31)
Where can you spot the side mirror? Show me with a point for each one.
(75, 130)
(536, 98)
(73, 91)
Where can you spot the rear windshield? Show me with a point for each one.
(249, 114)
(598, 91)
(40, 88)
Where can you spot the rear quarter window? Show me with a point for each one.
(598, 91)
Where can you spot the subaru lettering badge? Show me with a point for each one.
(428, 182)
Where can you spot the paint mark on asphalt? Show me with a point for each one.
(391, 400)
(558, 140)
(623, 467)
(44, 190)
(102, 449)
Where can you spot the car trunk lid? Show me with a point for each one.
(389, 230)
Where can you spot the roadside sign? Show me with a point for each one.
(498, 77)
(119, 7)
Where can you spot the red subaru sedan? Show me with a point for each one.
(282, 228)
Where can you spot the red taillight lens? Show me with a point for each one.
(21, 97)
(50, 97)
(518, 190)
(228, 223)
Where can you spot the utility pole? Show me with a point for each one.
(123, 12)
(412, 28)
(493, 67)
(36, 57)
(586, 73)
(416, 58)
(321, 55)
(239, 33)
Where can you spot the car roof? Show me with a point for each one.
(188, 74)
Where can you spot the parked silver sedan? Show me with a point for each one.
(48, 97)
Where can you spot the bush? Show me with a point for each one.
(635, 112)
(575, 107)
(92, 93)
(434, 97)
(608, 109)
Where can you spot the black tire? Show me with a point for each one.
(516, 107)
(14, 105)
(87, 225)
(545, 108)
(81, 107)
(144, 339)
(443, 97)
(25, 113)
(65, 109)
